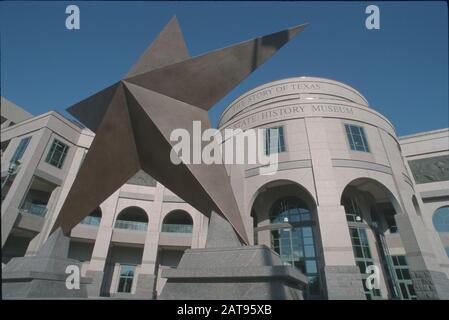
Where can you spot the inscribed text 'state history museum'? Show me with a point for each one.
(349, 194)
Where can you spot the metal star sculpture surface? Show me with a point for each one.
(133, 120)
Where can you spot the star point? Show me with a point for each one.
(133, 119)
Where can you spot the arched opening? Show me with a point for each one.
(94, 218)
(370, 212)
(284, 216)
(177, 221)
(440, 219)
(132, 218)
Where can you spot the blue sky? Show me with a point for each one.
(402, 69)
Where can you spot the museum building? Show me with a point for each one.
(348, 194)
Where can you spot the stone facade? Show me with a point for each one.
(317, 168)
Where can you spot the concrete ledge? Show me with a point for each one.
(285, 272)
(172, 198)
(286, 165)
(48, 177)
(84, 231)
(29, 221)
(128, 236)
(136, 196)
(175, 239)
(358, 164)
(30, 275)
(435, 194)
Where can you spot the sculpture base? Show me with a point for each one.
(247, 272)
(44, 276)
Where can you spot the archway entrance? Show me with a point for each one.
(285, 220)
(370, 212)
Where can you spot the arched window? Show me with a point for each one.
(177, 221)
(132, 218)
(294, 240)
(289, 209)
(93, 218)
(441, 219)
(352, 210)
(359, 237)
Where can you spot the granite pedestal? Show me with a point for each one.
(227, 270)
(43, 276)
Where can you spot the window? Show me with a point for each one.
(35, 207)
(93, 219)
(290, 209)
(363, 258)
(57, 154)
(177, 221)
(274, 140)
(403, 278)
(132, 218)
(352, 210)
(296, 244)
(125, 282)
(23, 144)
(441, 219)
(391, 223)
(356, 137)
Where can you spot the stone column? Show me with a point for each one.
(341, 275)
(102, 243)
(199, 232)
(39, 240)
(146, 280)
(429, 280)
(19, 188)
(425, 214)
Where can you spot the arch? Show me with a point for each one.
(94, 218)
(376, 189)
(285, 219)
(281, 182)
(289, 209)
(133, 218)
(440, 219)
(178, 221)
(370, 209)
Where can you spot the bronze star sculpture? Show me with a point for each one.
(134, 117)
